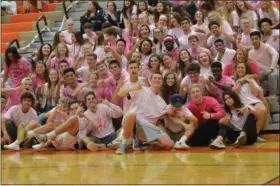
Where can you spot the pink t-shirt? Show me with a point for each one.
(55, 62)
(67, 92)
(17, 116)
(208, 104)
(17, 70)
(14, 98)
(37, 82)
(58, 119)
(225, 81)
(229, 68)
(103, 116)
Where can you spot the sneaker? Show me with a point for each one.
(21, 133)
(37, 147)
(41, 137)
(136, 145)
(241, 140)
(260, 140)
(217, 144)
(122, 149)
(95, 147)
(181, 145)
(113, 146)
(12, 146)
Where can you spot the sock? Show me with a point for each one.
(184, 138)
(51, 135)
(38, 146)
(30, 133)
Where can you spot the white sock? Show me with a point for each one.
(38, 146)
(51, 135)
(184, 138)
(30, 133)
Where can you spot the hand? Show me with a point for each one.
(121, 81)
(107, 48)
(225, 120)
(267, 72)
(6, 139)
(211, 79)
(206, 115)
(106, 102)
(80, 110)
(138, 86)
(243, 110)
(199, 30)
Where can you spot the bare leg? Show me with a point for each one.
(71, 126)
(261, 116)
(165, 142)
(32, 125)
(44, 129)
(129, 123)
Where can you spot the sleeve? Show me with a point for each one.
(34, 115)
(99, 15)
(209, 42)
(134, 9)
(227, 27)
(274, 54)
(26, 65)
(8, 115)
(255, 16)
(218, 110)
(235, 18)
(254, 67)
(227, 70)
(113, 111)
(52, 63)
(276, 14)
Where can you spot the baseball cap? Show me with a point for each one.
(176, 100)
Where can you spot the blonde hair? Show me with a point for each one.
(228, 12)
(26, 79)
(209, 56)
(195, 85)
(269, 8)
(218, 16)
(63, 101)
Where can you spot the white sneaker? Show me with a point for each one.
(37, 147)
(217, 144)
(261, 140)
(12, 146)
(181, 145)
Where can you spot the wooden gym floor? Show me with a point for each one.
(258, 164)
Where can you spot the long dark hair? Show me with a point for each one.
(56, 40)
(15, 54)
(127, 8)
(182, 65)
(159, 61)
(40, 55)
(167, 91)
(79, 37)
(237, 102)
(157, 14)
(96, 5)
(140, 46)
(46, 73)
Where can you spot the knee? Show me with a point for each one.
(168, 144)
(130, 115)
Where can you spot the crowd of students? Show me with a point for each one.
(162, 74)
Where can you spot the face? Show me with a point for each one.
(154, 62)
(142, 6)
(91, 101)
(240, 56)
(53, 75)
(136, 56)
(46, 50)
(229, 4)
(198, 16)
(220, 47)
(170, 81)
(61, 37)
(228, 100)
(146, 47)
(40, 69)
(10, 56)
(133, 70)
(184, 56)
(245, 23)
(62, 49)
(173, 21)
(265, 27)
(91, 6)
(120, 47)
(240, 4)
(70, 77)
(127, 3)
(64, 107)
(156, 80)
(27, 85)
(91, 61)
(134, 19)
(158, 34)
(159, 7)
(93, 80)
(212, 17)
(169, 44)
(26, 103)
(217, 73)
(185, 25)
(204, 59)
(167, 61)
(110, 7)
(114, 69)
(162, 21)
(87, 49)
(88, 31)
(194, 76)
(193, 43)
(215, 29)
(196, 94)
(241, 69)
(102, 68)
(62, 67)
(69, 25)
(73, 108)
(144, 32)
(264, 4)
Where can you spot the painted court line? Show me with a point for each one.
(273, 181)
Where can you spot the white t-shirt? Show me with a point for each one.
(176, 32)
(250, 14)
(17, 116)
(174, 127)
(237, 120)
(246, 95)
(103, 116)
(148, 104)
(212, 39)
(227, 57)
(184, 40)
(273, 40)
(273, 18)
(67, 36)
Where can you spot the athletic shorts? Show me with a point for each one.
(64, 141)
(106, 140)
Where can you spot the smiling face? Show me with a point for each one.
(196, 94)
(27, 84)
(158, 33)
(62, 50)
(40, 69)
(198, 16)
(156, 80)
(159, 7)
(102, 68)
(114, 69)
(53, 75)
(144, 32)
(228, 101)
(240, 5)
(46, 50)
(167, 61)
(154, 62)
(170, 80)
(204, 59)
(136, 56)
(91, 101)
(93, 80)
(146, 47)
(184, 56)
(241, 70)
(63, 66)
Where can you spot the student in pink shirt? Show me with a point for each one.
(194, 47)
(76, 48)
(205, 60)
(39, 78)
(19, 118)
(15, 67)
(169, 64)
(84, 71)
(171, 47)
(145, 116)
(219, 83)
(238, 125)
(208, 111)
(241, 55)
(62, 53)
(153, 66)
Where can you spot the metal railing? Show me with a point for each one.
(66, 9)
(14, 41)
(38, 29)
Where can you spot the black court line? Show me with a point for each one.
(272, 180)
